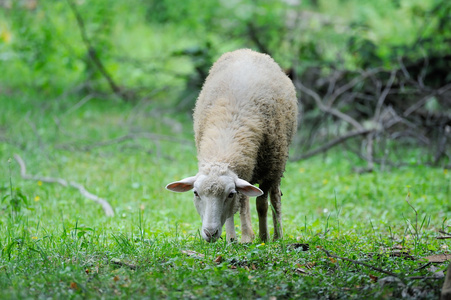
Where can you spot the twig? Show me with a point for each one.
(425, 99)
(359, 263)
(79, 104)
(332, 143)
(327, 109)
(117, 262)
(382, 98)
(342, 89)
(23, 172)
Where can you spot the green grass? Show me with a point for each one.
(57, 244)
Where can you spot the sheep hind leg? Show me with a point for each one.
(262, 210)
(247, 234)
(276, 203)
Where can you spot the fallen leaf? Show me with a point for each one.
(116, 278)
(438, 258)
(301, 271)
(193, 253)
(118, 262)
(298, 246)
(73, 285)
(253, 267)
(218, 259)
(308, 265)
(374, 278)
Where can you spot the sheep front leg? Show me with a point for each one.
(247, 234)
(262, 210)
(276, 203)
(230, 230)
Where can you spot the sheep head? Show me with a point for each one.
(216, 196)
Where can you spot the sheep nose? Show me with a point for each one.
(211, 234)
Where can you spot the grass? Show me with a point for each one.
(57, 244)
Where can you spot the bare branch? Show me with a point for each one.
(23, 172)
(351, 84)
(382, 98)
(332, 143)
(327, 109)
(425, 99)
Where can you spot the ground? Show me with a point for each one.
(347, 235)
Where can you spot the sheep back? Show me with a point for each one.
(246, 116)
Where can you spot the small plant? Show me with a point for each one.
(15, 200)
(416, 229)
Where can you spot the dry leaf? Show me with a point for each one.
(218, 259)
(438, 258)
(301, 271)
(116, 278)
(308, 265)
(193, 253)
(73, 285)
(298, 246)
(374, 278)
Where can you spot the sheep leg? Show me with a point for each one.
(276, 203)
(247, 234)
(230, 229)
(262, 210)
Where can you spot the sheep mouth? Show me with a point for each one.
(211, 235)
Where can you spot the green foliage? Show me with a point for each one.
(55, 243)
(140, 42)
(66, 247)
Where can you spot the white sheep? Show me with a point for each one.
(244, 120)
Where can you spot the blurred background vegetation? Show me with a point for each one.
(374, 72)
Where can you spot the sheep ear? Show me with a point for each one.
(183, 185)
(248, 189)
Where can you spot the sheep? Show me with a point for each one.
(244, 120)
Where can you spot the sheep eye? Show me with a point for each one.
(231, 195)
(196, 194)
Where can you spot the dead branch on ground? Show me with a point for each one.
(104, 203)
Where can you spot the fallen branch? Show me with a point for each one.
(118, 262)
(23, 172)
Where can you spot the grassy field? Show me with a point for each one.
(55, 243)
